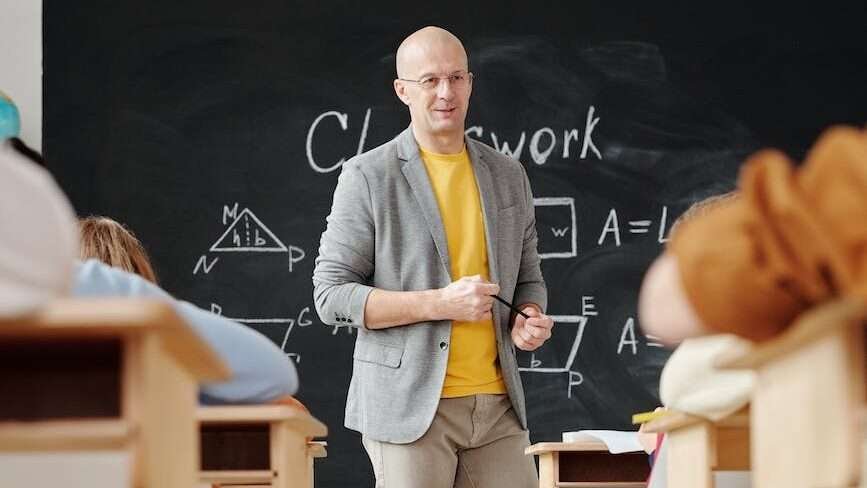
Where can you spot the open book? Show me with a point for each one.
(617, 441)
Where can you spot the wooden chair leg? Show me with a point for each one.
(548, 475)
(690, 457)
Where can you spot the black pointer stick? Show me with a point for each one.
(514, 309)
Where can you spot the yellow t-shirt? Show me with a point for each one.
(473, 367)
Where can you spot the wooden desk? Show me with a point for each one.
(588, 465)
(259, 445)
(805, 409)
(315, 450)
(697, 447)
(114, 374)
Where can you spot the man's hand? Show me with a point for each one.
(467, 299)
(529, 334)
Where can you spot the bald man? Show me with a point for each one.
(423, 232)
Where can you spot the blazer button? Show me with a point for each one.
(349, 320)
(444, 345)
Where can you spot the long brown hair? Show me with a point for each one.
(112, 243)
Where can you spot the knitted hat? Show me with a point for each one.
(10, 122)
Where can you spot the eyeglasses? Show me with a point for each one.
(457, 80)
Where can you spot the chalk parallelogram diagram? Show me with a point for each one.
(575, 325)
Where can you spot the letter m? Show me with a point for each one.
(230, 213)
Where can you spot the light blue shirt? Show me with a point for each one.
(260, 370)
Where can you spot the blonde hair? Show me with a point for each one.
(702, 207)
(112, 243)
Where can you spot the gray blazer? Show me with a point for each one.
(385, 231)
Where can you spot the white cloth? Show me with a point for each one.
(691, 384)
(38, 236)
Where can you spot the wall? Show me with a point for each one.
(21, 63)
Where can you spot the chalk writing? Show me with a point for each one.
(543, 141)
(588, 308)
(628, 338)
(611, 228)
(202, 264)
(561, 240)
(653, 341)
(662, 238)
(343, 119)
(246, 233)
(578, 323)
(300, 320)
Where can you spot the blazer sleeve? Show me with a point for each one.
(794, 238)
(530, 286)
(345, 262)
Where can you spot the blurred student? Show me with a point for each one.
(260, 370)
(795, 237)
(38, 263)
(690, 382)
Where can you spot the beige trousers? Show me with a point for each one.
(473, 442)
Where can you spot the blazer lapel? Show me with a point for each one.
(490, 211)
(416, 175)
(485, 183)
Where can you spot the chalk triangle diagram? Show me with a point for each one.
(248, 234)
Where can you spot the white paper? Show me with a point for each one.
(617, 441)
(91, 469)
(732, 479)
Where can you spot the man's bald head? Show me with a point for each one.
(424, 44)
(434, 82)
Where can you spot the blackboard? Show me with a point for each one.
(215, 130)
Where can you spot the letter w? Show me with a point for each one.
(559, 232)
(505, 149)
